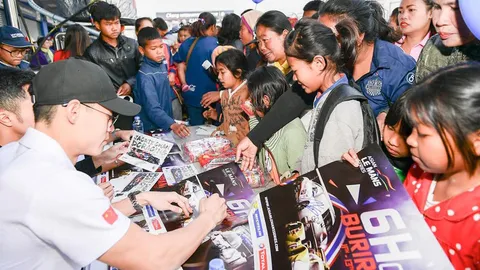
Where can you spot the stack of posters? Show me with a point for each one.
(146, 152)
(342, 217)
(176, 169)
(136, 181)
(231, 240)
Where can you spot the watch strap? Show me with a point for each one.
(133, 199)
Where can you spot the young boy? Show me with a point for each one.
(153, 91)
(13, 48)
(116, 54)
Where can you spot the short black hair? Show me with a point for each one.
(147, 34)
(275, 20)
(138, 22)
(234, 60)
(314, 5)
(160, 23)
(12, 81)
(187, 27)
(266, 81)
(397, 115)
(44, 113)
(104, 11)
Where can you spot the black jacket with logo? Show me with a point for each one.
(121, 63)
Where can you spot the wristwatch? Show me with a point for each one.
(133, 199)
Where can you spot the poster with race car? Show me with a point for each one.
(230, 241)
(168, 137)
(146, 152)
(342, 217)
(136, 181)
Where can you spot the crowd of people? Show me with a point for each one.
(289, 97)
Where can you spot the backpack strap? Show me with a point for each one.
(190, 52)
(338, 95)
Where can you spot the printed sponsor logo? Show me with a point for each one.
(150, 211)
(258, 224)
(262, 255)
(156, 225)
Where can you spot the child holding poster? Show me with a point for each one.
(232, 69)
(394, 145)
(445, 145)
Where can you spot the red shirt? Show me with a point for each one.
(61, 55)
(455, 222)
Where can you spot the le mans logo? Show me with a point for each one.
(258, 224)
(369, 166)
(262, 255)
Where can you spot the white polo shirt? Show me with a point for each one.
(51, 215)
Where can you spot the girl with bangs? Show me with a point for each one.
(445, 146)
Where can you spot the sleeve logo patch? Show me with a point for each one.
(110, 216)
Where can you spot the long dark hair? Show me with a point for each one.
(275, 20)
(230, 30)
(311, 38)
(449, 101)
(235, 61)
(367, 15)
(205, 21)
(76, 40)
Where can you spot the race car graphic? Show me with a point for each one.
(315, 209)
(140, 154)
(229, 243)
(303, 250)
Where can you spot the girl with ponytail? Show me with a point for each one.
(381, 69)
(317, 62)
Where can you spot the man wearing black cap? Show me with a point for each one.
(56, 217)
(13, 47)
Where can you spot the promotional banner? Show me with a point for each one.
(342, 217)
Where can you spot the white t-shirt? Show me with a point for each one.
(51, 216)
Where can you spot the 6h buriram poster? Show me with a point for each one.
(341, 217)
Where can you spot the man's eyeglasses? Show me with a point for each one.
(16, 53)
(112, 118)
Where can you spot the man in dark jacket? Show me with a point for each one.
(116, 54)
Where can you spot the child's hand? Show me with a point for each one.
(181, 130)
(209, 98)
(351, 157)
(211, 113)
(107, 189)
(171, 78)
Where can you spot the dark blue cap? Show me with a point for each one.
(13, 37)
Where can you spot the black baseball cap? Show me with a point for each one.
(60, 82)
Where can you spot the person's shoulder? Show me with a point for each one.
(296, 126)
(210, 41)
(348, 112)
(7, 154)
(129, 41)
(394, 56)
